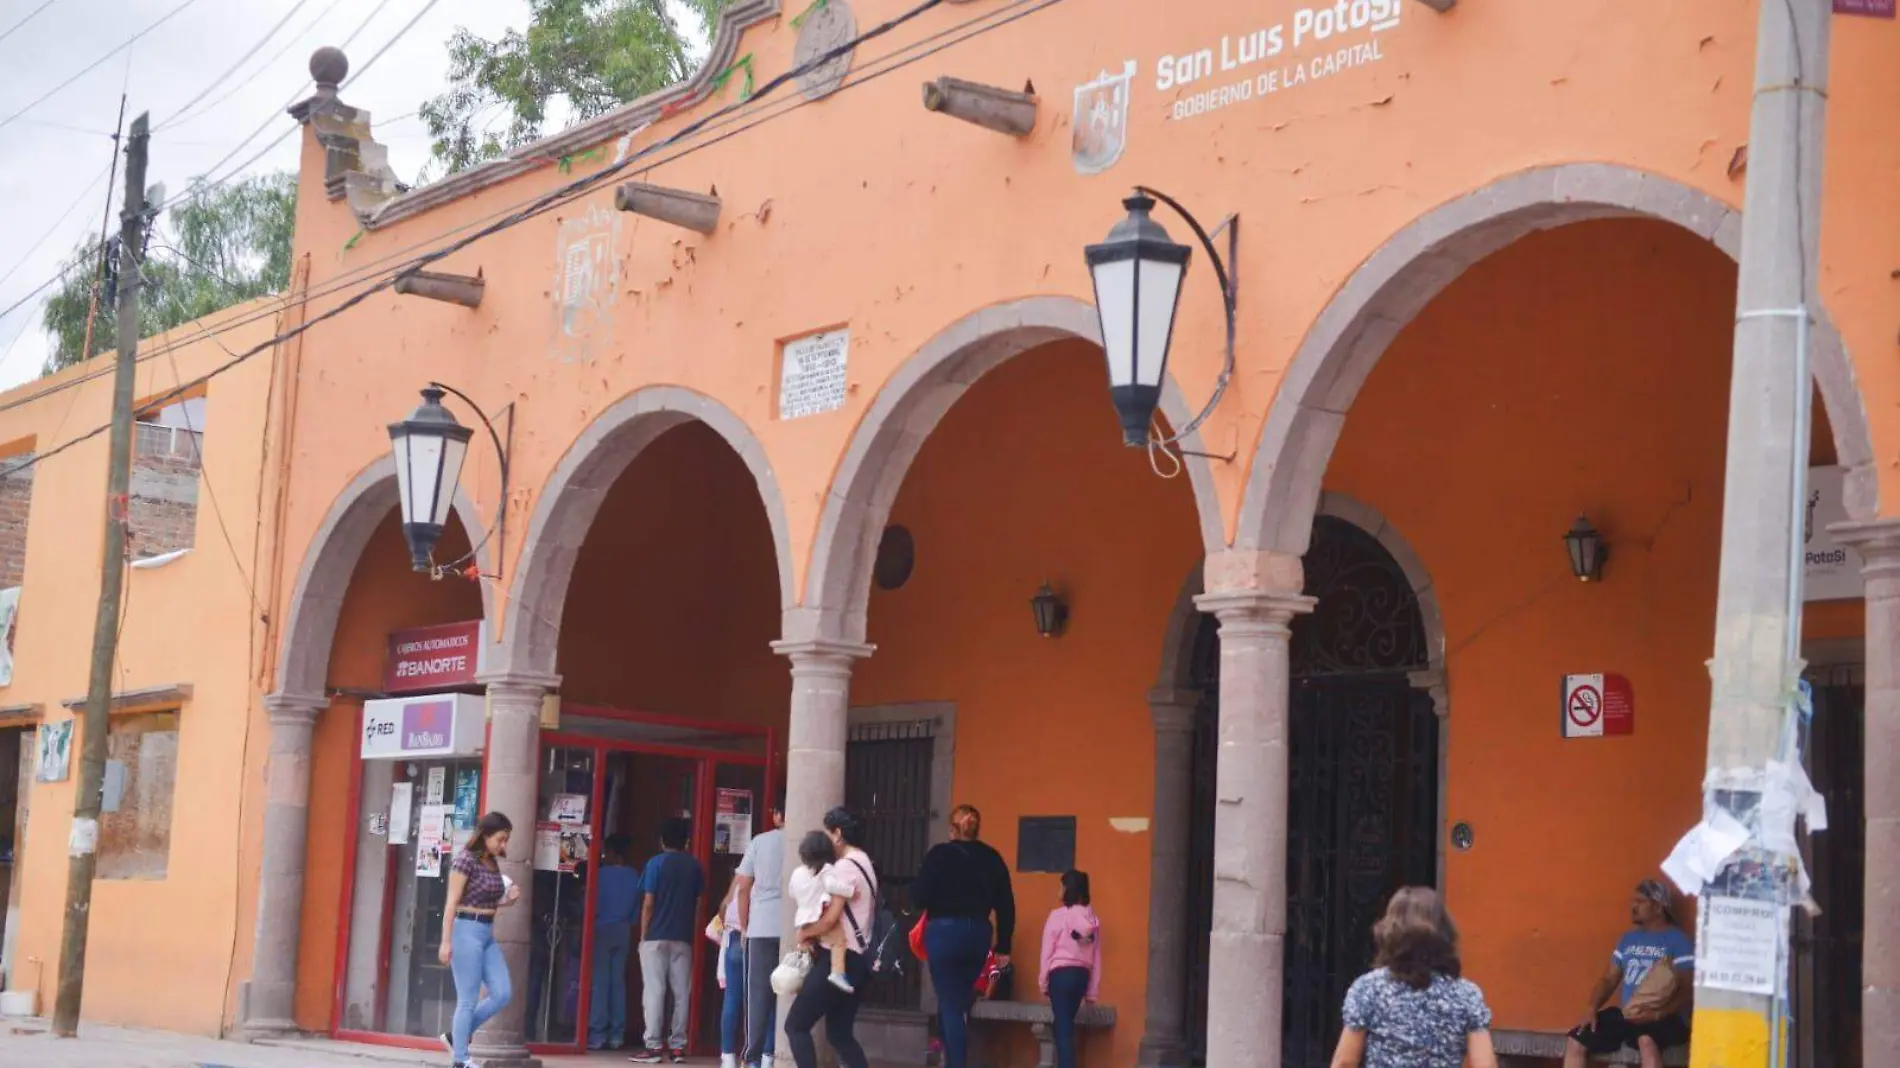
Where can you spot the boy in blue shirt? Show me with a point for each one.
(616, 909)
(1655, 942)
(670, 890)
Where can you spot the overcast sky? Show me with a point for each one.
(53, 157)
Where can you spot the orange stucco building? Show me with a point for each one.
(780, 485)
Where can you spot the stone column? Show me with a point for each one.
(512, 780)
(1879, 545)
(270, 1000)
(814, 752)
(1255, 595)
(1164, 1036)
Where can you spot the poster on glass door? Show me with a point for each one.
(732, 821)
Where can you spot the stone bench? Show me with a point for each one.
(1041, 1021)
(1517, 1048)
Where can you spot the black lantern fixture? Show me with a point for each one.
(1052, 612)
(1138, 271)
(429, 449)
(1587, 551)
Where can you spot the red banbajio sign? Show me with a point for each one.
(433, 658)
(1880, 9)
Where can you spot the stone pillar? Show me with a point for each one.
(1879, 545)
(512, 776)
(1164, 1035)
(814, 752)
(1255, 595)
(270, 1000)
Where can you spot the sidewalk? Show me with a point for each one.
(29, 1044)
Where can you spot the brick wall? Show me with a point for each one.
(16, 498)
(164, 505)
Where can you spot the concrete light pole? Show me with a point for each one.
(1757, 663)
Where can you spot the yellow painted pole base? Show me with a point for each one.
(1729, 1038)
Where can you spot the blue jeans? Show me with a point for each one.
(607, 1014)
(475, 961)
(732, 1006)
(1067, 988)
(957, 949)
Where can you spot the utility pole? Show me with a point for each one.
(105, 246)
(1757, 665)
(105, 636)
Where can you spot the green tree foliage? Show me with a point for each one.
(594, 55)
(212, 250)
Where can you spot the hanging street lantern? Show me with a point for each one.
(1052, 612)
(430, 446)
(1138, 271)
(1588, 553)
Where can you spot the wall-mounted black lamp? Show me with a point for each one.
(1138, 270)
(429, 448)
(1588, 553)
(1052, 612)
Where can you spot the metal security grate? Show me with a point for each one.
(887, 781)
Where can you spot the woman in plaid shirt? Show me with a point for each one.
(477, 890)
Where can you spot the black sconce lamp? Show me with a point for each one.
(429, 449)
(1052, 612)
(1588, 553)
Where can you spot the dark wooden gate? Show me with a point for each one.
(1363, 788)
(887, 780)
(1827, 948)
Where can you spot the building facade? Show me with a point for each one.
(796, 427)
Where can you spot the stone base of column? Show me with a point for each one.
(499, 1057)
(269, 1023)
(1162, 1051)
(1243, 1012)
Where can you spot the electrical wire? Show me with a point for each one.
(57, 223)
(269, 63)
(8, 32)
(232, 69)
(88, 68)
(199, 188)
(543, 203)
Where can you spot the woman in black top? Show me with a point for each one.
(962, 883)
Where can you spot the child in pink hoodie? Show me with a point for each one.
(1071, 961)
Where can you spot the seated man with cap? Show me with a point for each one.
(1654, 967)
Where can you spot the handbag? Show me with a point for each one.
(789, 977)
(917, 937)
(991, 979)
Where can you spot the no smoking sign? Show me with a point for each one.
(1598, 705)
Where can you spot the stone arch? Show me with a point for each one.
(300, 695)
(316, 600)
(573, 494)
(906, 410)
(1396, 282)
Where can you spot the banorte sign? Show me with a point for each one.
(428, 659)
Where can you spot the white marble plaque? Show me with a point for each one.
(812, 374)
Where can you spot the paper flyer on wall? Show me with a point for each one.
(1740, 943)
(432, 840)
(547, 846)
(401, 796)
(732, 821)
(568, 808)
(438, 782)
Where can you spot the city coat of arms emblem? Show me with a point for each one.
(1101, 120)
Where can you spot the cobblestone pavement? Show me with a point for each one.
(28, 1044)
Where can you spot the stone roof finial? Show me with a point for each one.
(328, 67)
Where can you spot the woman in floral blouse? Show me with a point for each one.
(1413, 1010)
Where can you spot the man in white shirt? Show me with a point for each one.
(760, 893)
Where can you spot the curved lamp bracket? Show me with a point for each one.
(462, 564)
(1226, 271)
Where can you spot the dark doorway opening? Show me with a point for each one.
(887, 780)
(1363, 791)
(1826, 980)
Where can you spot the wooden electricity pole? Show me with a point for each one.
(84, 845)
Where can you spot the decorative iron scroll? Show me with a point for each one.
(1367, 618)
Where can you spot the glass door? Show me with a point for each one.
(413, 816)
(562, 856)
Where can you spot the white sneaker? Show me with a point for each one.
(838, 980)
(728, 1060)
